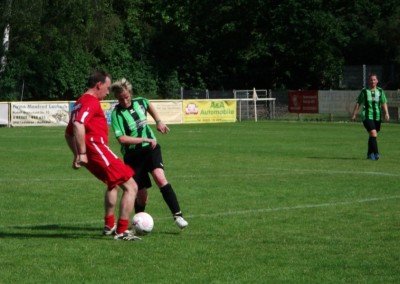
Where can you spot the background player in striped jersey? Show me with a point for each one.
(373, 99)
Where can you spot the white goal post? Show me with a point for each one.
(254, 103)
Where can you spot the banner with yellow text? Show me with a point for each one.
(169, 111)
(209, 111)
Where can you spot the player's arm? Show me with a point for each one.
(385, 109)
(355, 110)
(128, 140)
(359, 102)
(117, 123)
(71, 142)
(163, 128)
(80, 146)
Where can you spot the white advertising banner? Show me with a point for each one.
(39, 113)
(4, 114)
(169, 111)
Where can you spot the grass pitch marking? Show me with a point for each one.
(305, 206)
(273, 171)
(232, 213)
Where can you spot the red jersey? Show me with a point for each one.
(88, 111)
(102, 162)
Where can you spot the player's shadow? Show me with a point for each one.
(52, 231)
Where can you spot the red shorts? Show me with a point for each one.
(105, 165)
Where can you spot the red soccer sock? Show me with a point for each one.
(122, 226)
(109, 220)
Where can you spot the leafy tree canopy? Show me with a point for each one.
(161, 46)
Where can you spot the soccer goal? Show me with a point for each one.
(254, 104)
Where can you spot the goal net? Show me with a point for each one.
(254, 104)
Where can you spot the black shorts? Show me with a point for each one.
(372, 124)
(143, 162)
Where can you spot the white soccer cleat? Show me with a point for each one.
(127, 236)
(180, 222)
(107, 231)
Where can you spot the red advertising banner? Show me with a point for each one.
(303, 101)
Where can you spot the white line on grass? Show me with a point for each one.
(229, 213)
(273, 171)
(336, 172)
(278, 171)
(305, 206)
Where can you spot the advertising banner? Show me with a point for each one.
(108, 107)
(303, 101)
(169, 111)
(39, 114)
(4, 114)
(209, 111)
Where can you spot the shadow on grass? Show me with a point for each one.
(63, 232)
(53, 231)
(51, 227)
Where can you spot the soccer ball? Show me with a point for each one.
(143, 223)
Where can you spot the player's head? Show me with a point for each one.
(121, 86)
(122, 91)
(100, 82)
(96, 77)
(373, 80)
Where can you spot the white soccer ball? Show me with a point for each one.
(143, 223)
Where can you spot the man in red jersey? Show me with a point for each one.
(87, 137)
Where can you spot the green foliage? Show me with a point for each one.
(142, 78)
(170, 86)
(309, 44)
(72, 74)
(8, 92)
(196, 45)
(276, 202)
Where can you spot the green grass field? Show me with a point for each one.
(267, 202)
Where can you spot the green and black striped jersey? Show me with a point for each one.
(371, 101)
(132, 122)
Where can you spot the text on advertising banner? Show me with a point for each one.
(209, 111)
(39, 114)
(303, 101)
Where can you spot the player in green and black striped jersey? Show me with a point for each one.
(373, 99)
(140, 148)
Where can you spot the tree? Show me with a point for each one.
(55, 44)
(161, 46)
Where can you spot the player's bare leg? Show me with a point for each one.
(125, 210)
(110, 201)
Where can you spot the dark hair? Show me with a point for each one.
(97, 76)
(372, 74)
